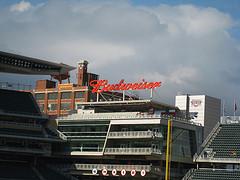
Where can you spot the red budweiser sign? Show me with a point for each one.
(103, 86)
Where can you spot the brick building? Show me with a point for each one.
(60, 99)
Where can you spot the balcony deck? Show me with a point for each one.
(132, 151)
(134, 134)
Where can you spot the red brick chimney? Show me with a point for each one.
(82, 75)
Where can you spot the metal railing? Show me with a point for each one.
(122, 116)
(132, 151)
(134, 134)
(110, 167)
(87, 149)
(205, 142)
(109, 116)
(230, 119)
(127, 115)
(57, 132)
(188, 174)
(210, 135)
(220, 160)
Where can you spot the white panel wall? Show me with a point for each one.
(208, 109)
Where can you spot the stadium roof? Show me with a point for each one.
(13, 63)
(141, 105)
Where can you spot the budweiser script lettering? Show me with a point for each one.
(103, 86)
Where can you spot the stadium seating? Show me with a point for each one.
(223, 146)
(18, 102)
(226, 142)
(212, 174)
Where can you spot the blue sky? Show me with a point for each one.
(191, 46)
(229, 6)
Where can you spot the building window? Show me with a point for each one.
(52, 107)
(66, 95)
(65, 106)
(39, 96)
(79, 94)
(52, 95)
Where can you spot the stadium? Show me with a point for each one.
(67, 131)
(218, 157)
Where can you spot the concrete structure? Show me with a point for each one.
(204, 110)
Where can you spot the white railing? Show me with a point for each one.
(218, 169)
(134, 134)
(220, 160)
(87, 149)
(110, 167)
(132, 151)
(109, 116)
(230, 119)
(122, 116)
(61, 135)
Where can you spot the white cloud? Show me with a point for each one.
(20, 7)
(94, 51)
(192, 20)
(186, 46)
(180, 76)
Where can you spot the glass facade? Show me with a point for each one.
(86, 137)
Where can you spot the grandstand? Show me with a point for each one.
(219, 156)
(18, 102)
(25, 139)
